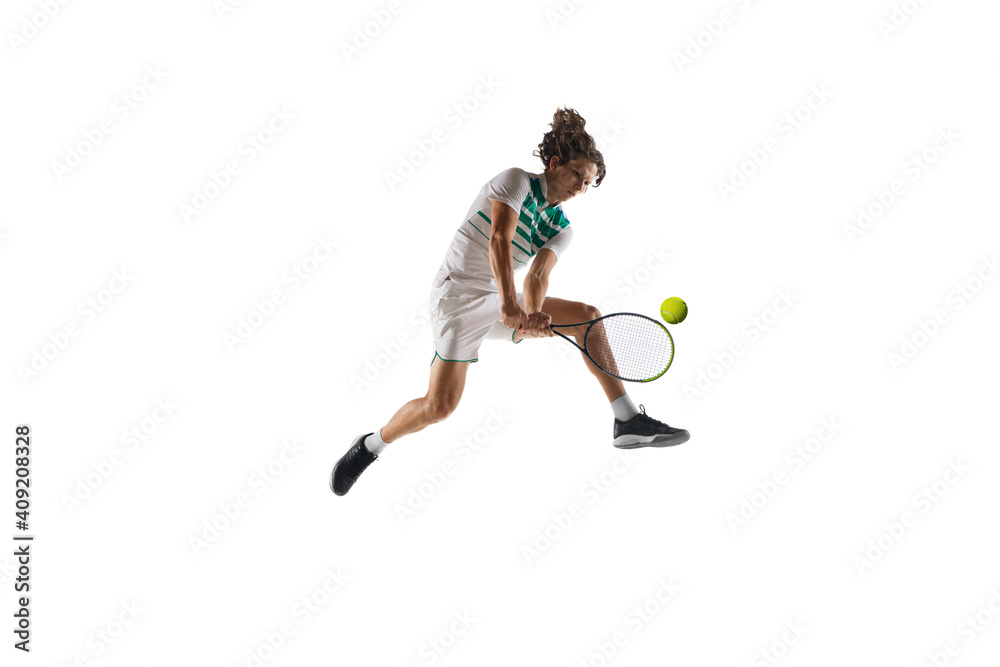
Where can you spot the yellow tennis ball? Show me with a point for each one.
(673, 310)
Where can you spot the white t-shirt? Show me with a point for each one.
(539, 225)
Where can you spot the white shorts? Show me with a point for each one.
(462, 318)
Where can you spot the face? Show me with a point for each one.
(566, 181)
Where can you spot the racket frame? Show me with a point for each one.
(604, 317)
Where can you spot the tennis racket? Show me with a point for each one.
(628, 346)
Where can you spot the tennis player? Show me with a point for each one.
(516, 219)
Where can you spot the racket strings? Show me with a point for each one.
(631, 347)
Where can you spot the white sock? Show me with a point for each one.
(624, 408)
(374, 443)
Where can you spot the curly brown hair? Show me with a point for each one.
(569, 140)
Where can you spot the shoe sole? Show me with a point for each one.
(635, 442)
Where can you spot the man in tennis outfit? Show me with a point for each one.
(515, 220)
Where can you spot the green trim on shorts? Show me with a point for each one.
(438, 356)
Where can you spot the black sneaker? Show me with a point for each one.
(644, 431)
(351, 465)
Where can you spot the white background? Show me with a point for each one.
(671, 132)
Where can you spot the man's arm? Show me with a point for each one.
(536, 286)
(536, 283)
(502, 230)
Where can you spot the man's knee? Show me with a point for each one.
(440, 408)
(590, 312)
(585, 313)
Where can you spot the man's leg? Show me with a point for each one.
(443, 394)
(570, 312)
(632, 428)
